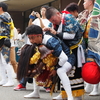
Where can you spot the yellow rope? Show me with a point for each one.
(11, 28)
(76, 45)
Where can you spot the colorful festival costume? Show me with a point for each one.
(93, 52)
(93, 37)
(39, 63)
(60, 50)
(6, 34)
(84, 18)
(71, 26)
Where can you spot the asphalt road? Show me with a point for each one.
(7, 93)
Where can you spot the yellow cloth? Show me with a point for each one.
(1, 37)
(50, 60)
(76, 93)
(76, 45)
(85, 35)
(11, 29)
(34, 59)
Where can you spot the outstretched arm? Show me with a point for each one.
(32, 17)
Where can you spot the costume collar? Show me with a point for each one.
(66, 12)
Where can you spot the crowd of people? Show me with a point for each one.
(54, 46)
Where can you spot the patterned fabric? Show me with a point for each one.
(77, 83)
(5, 28)
(6, 53)
(71, 25)
(58, 47)
(82, 18)
(85, 35)
(94, 34)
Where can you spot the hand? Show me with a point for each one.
(46, 29)
(53, 31)
(33, 13)
(50, 29)
(53, 73)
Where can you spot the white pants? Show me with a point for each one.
(5, 68)
(64, 78)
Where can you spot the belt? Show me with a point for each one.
(76, 45)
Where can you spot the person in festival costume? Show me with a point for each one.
(85, 18)
(66, 58)
(42, 22)
(6, 34)
(70, 31)
(93, 54)
(36, 19)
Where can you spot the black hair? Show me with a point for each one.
(34, 29)
(24, 62)
(19, 30)
(50, 11)
(4, 6)
(44, 6)
(72, 7)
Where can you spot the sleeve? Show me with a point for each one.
(55, 45)
(70, 27)
(66, 35)
(5, 17)
(6, 26)
(71, 24)
(36, 22)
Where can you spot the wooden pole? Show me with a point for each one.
(79, 2)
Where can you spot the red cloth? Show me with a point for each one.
(91, 73)
(66, 12)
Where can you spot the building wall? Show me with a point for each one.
(21, 18)
(18, 19)
(64, 3)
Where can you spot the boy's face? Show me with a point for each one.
(35, 38)
(56, 19)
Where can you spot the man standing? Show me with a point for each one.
(70, 31)
(6, 34)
